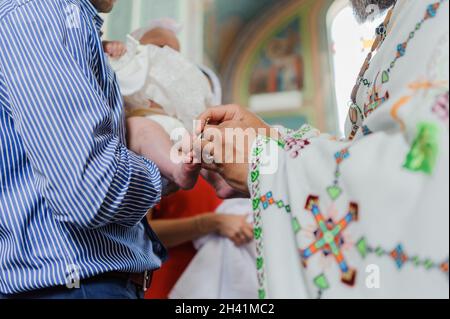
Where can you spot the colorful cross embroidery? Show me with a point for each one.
(329, 238)
(424, 152)
(399, 256)
(335, 190)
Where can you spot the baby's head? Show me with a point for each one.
(161, 32)
(161, 37)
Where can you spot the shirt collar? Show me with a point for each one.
(93, 13)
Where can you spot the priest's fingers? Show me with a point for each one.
(217, 115)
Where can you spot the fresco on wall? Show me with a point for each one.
(279, 66)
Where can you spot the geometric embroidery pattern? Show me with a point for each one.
(295, 146)
(400, 257)
(335, 190)
(294, 142)
(329, 238)
(268, 200)
(258, 231)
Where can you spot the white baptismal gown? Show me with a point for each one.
(166, 77)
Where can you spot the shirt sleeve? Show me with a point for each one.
(80, 167)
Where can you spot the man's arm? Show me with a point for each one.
(80, 167)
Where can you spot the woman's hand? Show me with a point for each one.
(234, 227)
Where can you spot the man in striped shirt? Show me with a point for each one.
(72, 196)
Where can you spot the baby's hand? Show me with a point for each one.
(114, 49)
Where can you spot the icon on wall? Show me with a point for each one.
(280, 64)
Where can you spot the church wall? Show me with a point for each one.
(282, 48)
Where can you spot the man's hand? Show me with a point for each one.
(114, 49)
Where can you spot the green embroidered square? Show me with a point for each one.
(256, 202)
(424, 151)
(321, 282)
(379, 251)
(281, 144)
(361, 245)
(416, 261)
(257, 150)
(261, 294)
(254, 175)
(258, 233)
(428, 264)
(296, 225)
(259, 263)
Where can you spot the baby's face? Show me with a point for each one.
(161, 37)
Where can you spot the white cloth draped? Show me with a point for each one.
(220, 270)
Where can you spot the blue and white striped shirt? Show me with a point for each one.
(72, 197)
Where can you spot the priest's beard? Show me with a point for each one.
(370, 9)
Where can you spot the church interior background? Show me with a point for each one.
(280, 58)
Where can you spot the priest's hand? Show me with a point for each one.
(227, 134)
(233, 113)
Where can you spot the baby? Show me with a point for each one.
(163, 93)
